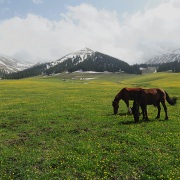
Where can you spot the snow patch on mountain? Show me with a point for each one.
(171, 56)
(82, 54)
(11, 65)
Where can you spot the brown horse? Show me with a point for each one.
(154, 97)
(125, 94)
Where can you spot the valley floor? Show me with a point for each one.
(63, 127)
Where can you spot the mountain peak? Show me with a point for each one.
(83, 51)
(83, 54)
(86, 49)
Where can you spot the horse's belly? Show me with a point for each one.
(151, 103)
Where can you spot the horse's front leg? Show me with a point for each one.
(129, 111)
(159, 110)
(143, 107)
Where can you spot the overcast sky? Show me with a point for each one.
(46, 30)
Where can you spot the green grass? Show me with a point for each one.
(62, 127)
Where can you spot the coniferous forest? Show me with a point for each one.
(171, 66)
(98, 62)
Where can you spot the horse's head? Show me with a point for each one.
(135, 111)
(115, 105)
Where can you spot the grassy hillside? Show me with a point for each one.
(62, 127)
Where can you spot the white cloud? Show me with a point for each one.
(134, 38)
(157, 29)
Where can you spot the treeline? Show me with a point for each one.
(2, 73)
(97, 62)
(171, 66)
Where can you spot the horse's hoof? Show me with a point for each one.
(157, 117)
(136, 121)
(166, 118)
(147, 120)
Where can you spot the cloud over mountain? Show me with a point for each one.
(133, 38)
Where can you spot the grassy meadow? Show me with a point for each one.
(63, 127)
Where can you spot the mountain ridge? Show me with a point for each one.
(84, 59)
(170, 56)
(9, 65)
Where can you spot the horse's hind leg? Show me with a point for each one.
(165, 110)
(159, 110)
(144, 112)
(146, 116)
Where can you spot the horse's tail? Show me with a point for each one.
(172, 101)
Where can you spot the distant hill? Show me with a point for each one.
(171, 56)
(9, 65)
(169, 61)
(85, 60)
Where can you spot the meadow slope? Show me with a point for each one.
(62, 127)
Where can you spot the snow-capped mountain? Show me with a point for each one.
(11, 65)
(83, 54)
(84, 60)
(171, 56)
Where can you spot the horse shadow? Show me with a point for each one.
(120, 114)
(133, 122)
(142, 121)
(125, 122)
(130, 122)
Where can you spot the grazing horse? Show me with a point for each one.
(125, 94)
(154, 97)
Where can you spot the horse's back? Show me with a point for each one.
(131, 89)
(154, 91)
(129, 93)
(152, 96)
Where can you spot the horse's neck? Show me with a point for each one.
(117, 98)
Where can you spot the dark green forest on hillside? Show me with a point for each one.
(172, 66)
(98, 62)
